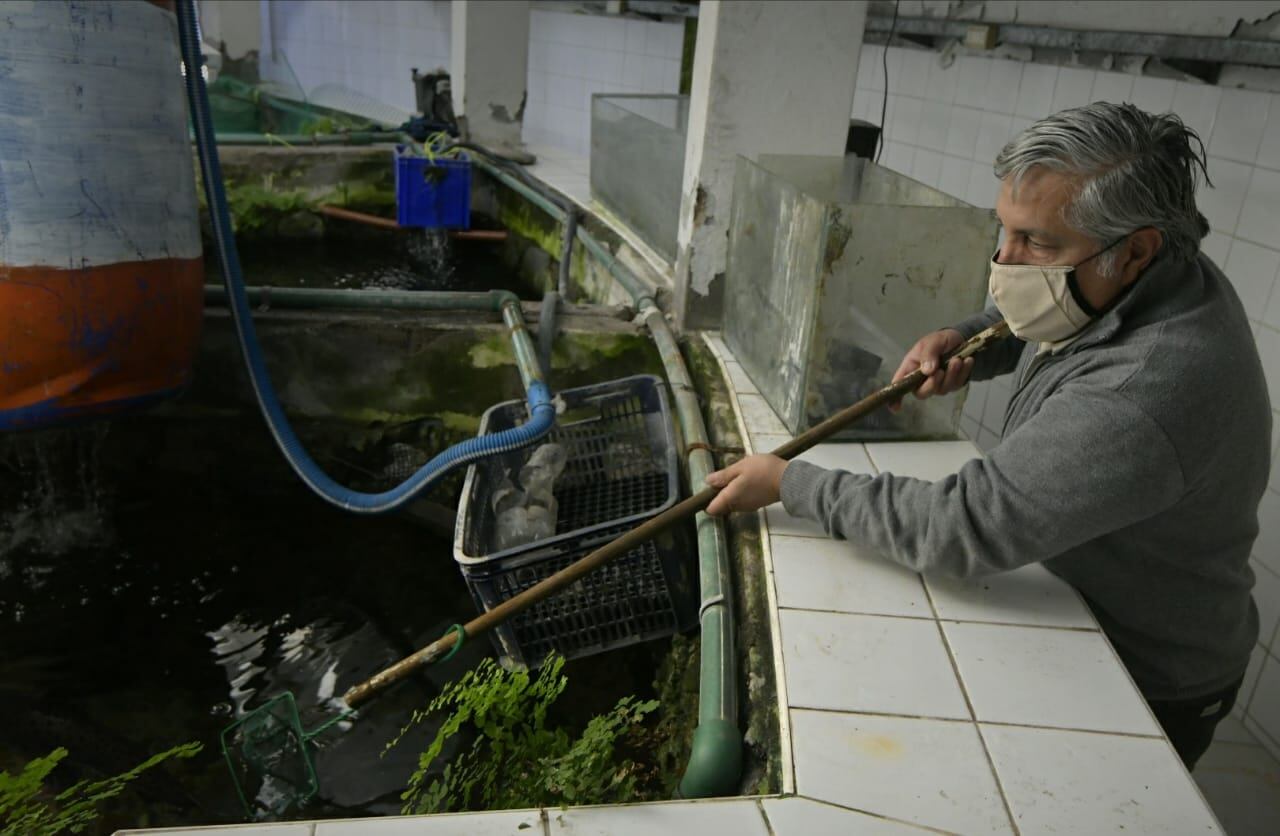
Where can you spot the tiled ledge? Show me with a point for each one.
(908, 704)
(986, 706)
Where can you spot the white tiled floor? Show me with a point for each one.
(1078, 750)
(1028, 595)
(911, 769)
(1047, 677)
(1077, 782)
(563, 171)
(827, 657)
(822, 574)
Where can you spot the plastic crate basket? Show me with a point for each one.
(621, 470)
(433, 193)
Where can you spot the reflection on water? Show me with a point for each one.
(214, 583)
(199, 598)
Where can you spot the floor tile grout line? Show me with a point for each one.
(829, 803)
(973, 714)
(1001, 723)
(1016, 624)
(768, 825)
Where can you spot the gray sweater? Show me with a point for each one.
(1131, 464)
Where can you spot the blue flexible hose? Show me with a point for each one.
(542, 412)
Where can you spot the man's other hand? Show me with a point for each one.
(926, 355)
(751, 483)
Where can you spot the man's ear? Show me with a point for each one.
(1143, 246)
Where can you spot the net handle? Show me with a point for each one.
(891, 393)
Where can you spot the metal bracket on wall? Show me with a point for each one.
(1175, 47)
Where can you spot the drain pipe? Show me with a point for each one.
(715, 761)
(407, 300)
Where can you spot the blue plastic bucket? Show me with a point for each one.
(433, 193)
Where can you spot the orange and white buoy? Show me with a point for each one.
(100, 271)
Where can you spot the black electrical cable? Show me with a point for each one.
(884, 101)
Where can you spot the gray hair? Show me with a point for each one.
(1134, 170)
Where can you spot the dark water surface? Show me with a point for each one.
(158, 578)
(406, 260)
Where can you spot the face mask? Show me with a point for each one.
(1041, 304)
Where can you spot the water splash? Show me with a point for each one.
(433, 256)
(61, 502)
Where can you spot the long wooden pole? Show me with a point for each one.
(651, 528)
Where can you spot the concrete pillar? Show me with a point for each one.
(489, 60)
(237, 23)
(768, 78)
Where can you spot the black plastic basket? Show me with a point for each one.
(621, 470)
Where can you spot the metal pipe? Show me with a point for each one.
(387, 223)
(312, 298)
(517, 185)
(1191, 47)
(566, 252)
(357, 217)
(715, 760)
(526, 352)
(478, 234)
(352, 138)
(324, 298)
(630, 281)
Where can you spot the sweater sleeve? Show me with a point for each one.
(1090, 462)
(1000, 358)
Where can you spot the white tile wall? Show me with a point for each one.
(572, 56)
(946, 133)
(369, 47)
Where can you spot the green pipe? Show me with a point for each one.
(351, 138)
(715, 760)
(526, 352)
(312, 298)
(522, 188)
(640, 292)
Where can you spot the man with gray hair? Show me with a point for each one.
(1135, 447)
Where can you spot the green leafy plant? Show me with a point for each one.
(27, 810)
(516, 760)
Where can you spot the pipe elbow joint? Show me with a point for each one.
(715, 761)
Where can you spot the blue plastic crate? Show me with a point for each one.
(433, 193)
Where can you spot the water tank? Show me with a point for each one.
(100, 269)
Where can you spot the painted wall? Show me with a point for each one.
(489, 46)
(368, 47)
(234, 22)
(944, 128)
(572, 56)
